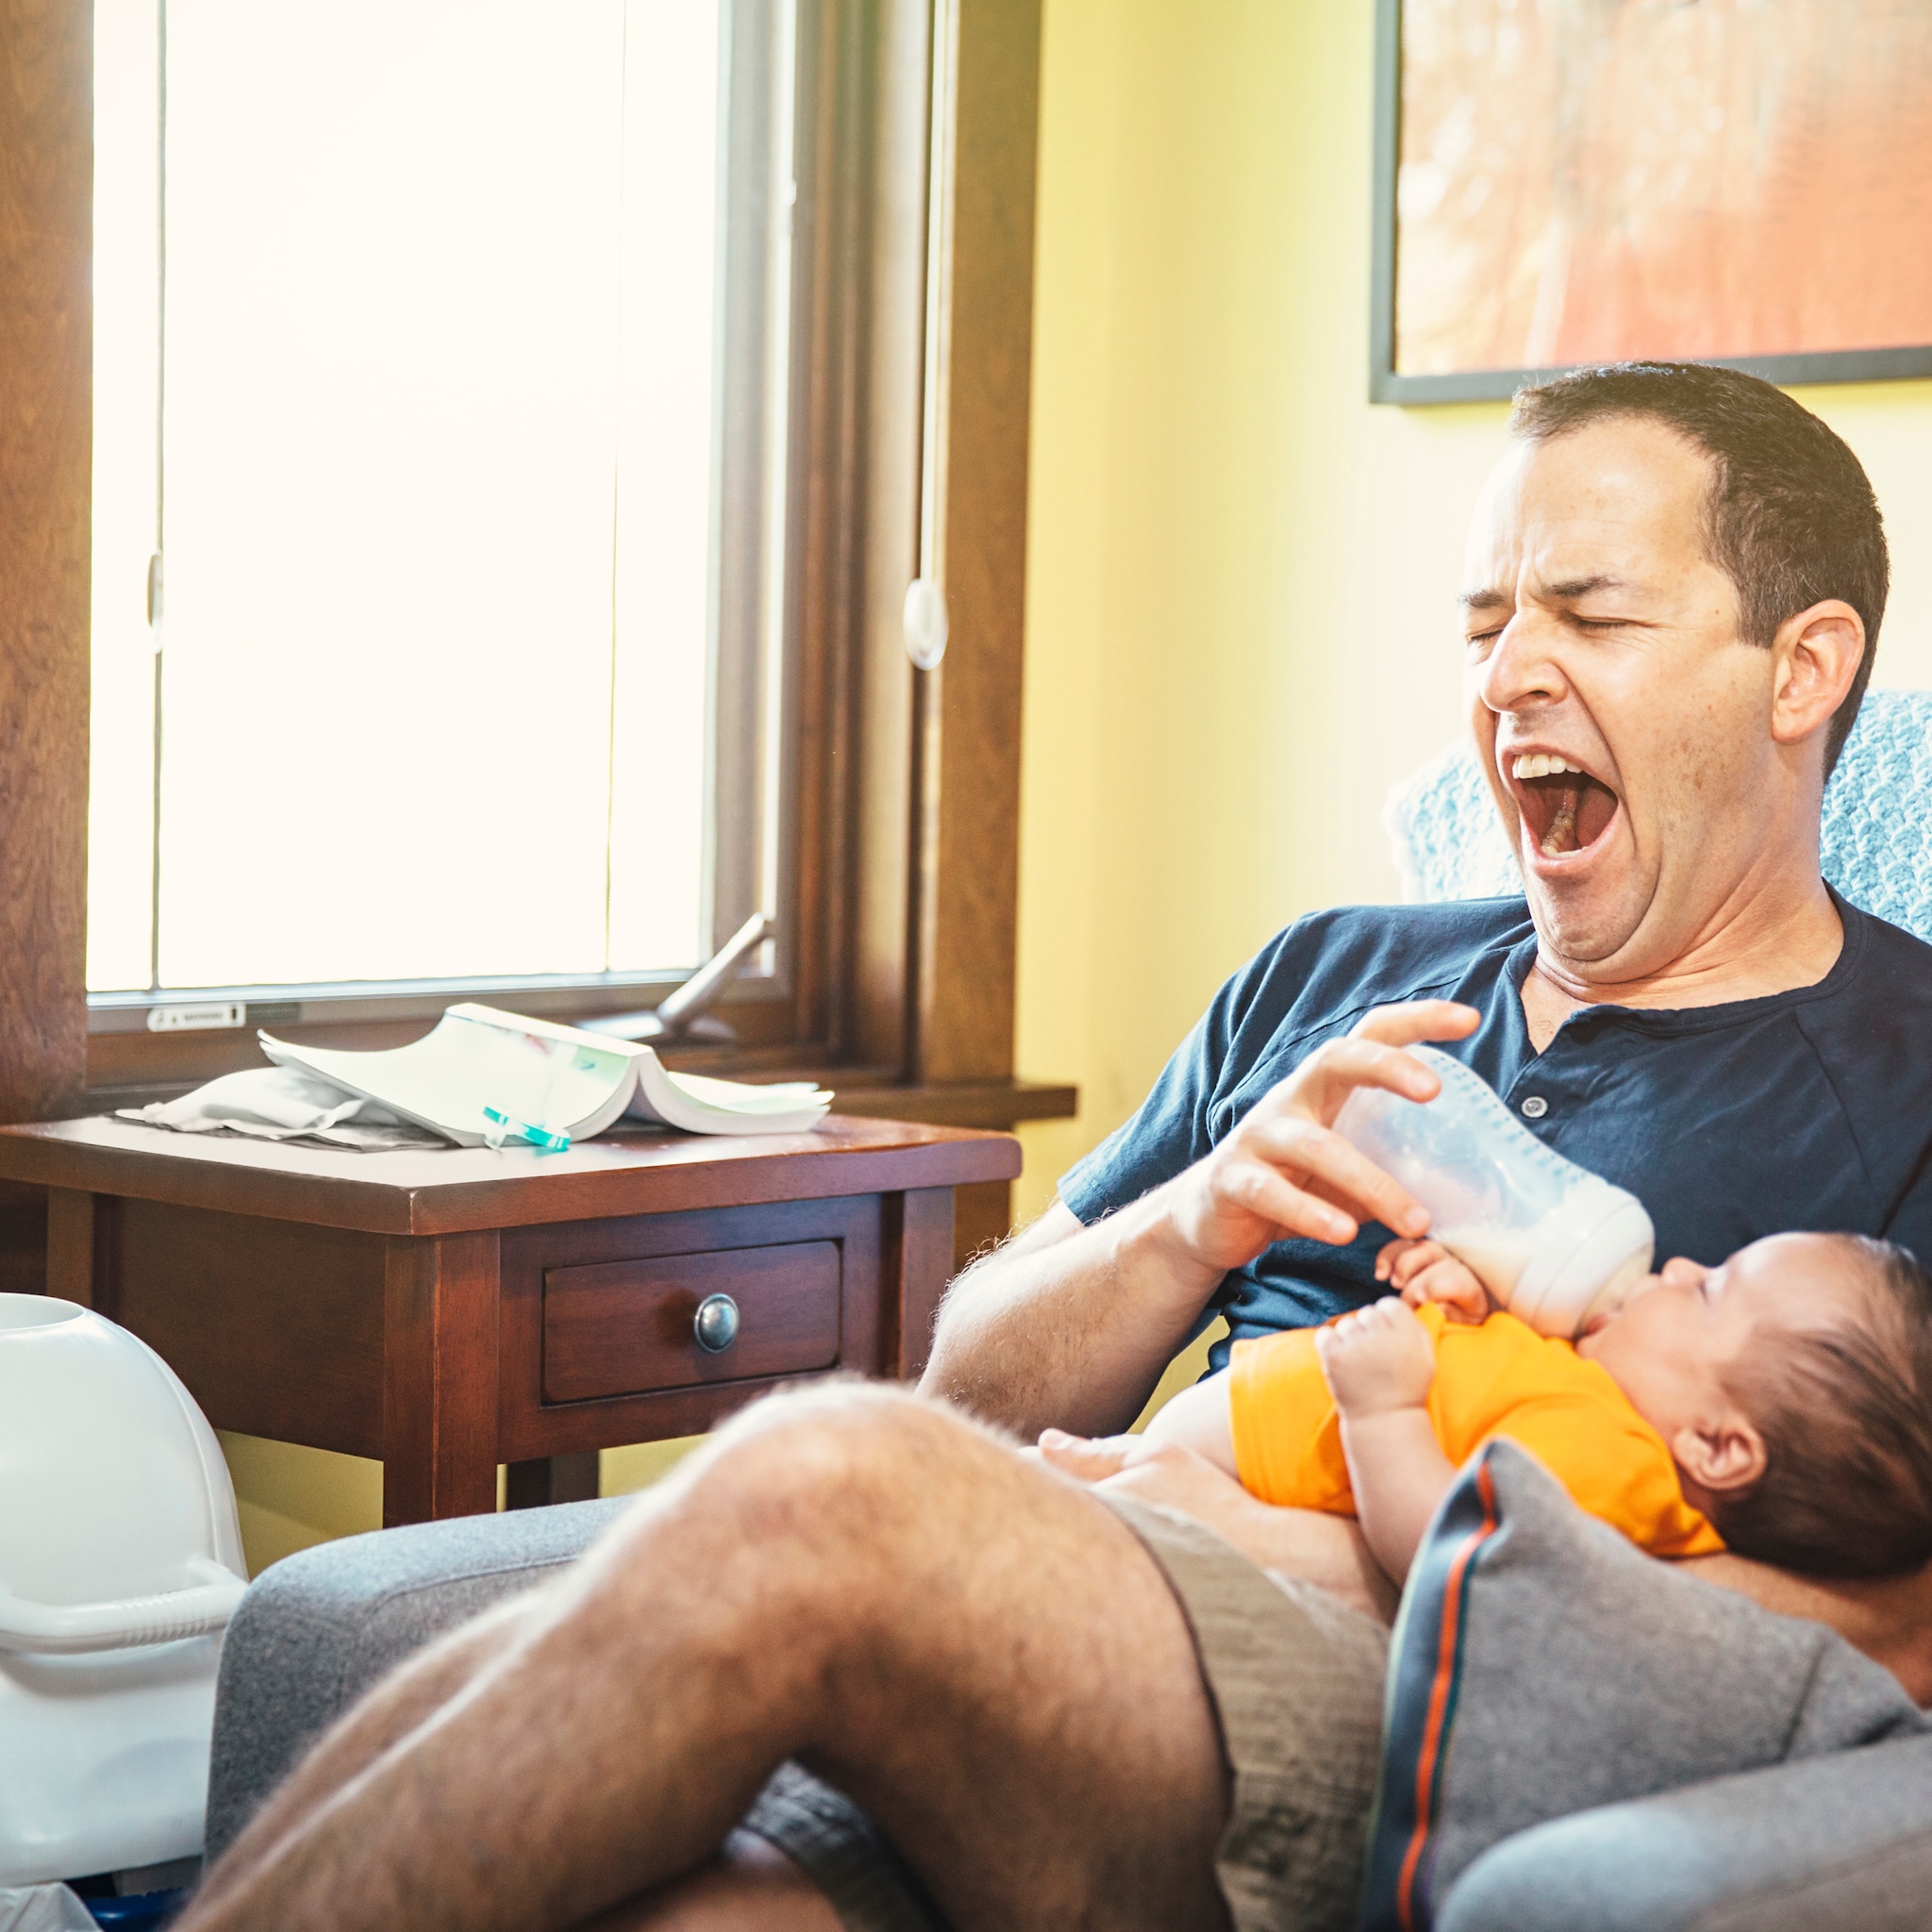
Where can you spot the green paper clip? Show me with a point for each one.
(508, 1124)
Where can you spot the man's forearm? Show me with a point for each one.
(1070, 1327)
(1067, 1326)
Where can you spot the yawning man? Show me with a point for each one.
(863, 1662)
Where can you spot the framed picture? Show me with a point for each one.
(1564, 182)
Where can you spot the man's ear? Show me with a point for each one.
(1724, 1454)
(1815, 659)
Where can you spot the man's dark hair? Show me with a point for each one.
(1846, 1417)
(1791, 518)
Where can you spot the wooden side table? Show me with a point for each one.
(448, 1310)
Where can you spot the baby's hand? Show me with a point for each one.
(1427, 1272)
(1379, 1357)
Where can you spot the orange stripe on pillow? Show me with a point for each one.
(1441, 1694)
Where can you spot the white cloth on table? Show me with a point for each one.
(285, 1104)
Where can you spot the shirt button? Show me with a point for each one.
(1535, 1108)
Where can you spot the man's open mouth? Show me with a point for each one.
(1564, 808)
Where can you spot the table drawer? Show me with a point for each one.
(621, 1327)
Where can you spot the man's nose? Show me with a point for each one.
(1522, 671)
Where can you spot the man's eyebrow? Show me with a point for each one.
(1570, 589)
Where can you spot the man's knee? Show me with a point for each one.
(846, 1458)
(828, 1481)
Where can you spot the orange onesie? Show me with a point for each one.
(1497, 1378)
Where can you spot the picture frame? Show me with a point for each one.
(1443, 332)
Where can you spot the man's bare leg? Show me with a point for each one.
(749, 1887)
(975, 1649)
(393, 1709)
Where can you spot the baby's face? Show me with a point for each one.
(1669, 1346)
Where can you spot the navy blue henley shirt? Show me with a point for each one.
(1809, 1109)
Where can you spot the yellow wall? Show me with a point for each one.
(1239, 630)
(1241, 574)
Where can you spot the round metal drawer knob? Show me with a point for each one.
(716, 1323)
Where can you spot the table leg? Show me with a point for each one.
(551, 1479)
(919, 1251)
(80, 1246)
(439, 1383)
(982, 1219)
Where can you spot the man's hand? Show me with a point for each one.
(1283, 1171)
(1376, 1359)
(1072, 1326)
(1426, 1271)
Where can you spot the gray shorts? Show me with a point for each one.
(1295, 1678)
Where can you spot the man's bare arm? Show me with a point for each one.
(1070, 1327)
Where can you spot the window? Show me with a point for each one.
(869, 806)
(442, 365)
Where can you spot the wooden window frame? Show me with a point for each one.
(913, 321)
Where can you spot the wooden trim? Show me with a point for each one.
(968, 803)
(905, 829)
(1002, 1104)
(828, 504)
(46, 456)
(890, 332)
(159, 1065)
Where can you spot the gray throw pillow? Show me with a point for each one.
(1542, 1665)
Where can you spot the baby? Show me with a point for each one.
(1778, 1405)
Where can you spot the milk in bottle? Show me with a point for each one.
(1553, 1243)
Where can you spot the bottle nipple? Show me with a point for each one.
(1617, 1289)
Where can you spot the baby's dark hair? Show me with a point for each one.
(1846, 1417)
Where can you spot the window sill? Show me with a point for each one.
(867, 1092)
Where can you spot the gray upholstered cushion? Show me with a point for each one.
(317, 1629)
(1833, 1843)
(1544, 1666)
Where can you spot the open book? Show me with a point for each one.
(560, 1080)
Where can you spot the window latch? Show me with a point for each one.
(925, 623)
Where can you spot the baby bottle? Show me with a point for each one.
(1553, 1243)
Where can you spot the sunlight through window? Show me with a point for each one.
(407, 381)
